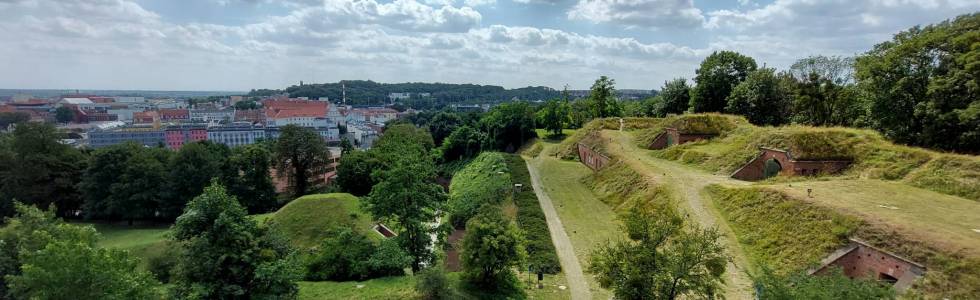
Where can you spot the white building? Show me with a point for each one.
(212, 115)
(236, 134)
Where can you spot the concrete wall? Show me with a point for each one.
(755, 168)
(590, 158)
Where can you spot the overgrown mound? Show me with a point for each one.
(950, 174)
(568, 150)
(307, 220)
(622, 188)
(707, 123)
(790, 235)
(484, 180)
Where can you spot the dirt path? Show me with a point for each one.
(689, 184)
(577, 284)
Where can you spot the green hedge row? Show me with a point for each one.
(530, 218)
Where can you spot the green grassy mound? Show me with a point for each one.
(623, 188)
(790, 235)
(307, 220)
(484, 180)
(568, 150)
(400, 287)
(873, 156)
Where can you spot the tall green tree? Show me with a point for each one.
(36, 168)
(763, 98)
(302, 156)
(508, 126)
(824, 91)
(8, 118)
(38, 248)
(463, 143)
(661, 260)
(717, 76)
(602, 98)
(355, 170)
(442, 124)
(191, 170)
(552, 116)
(492, 247)
(676, 95)
(64, 114)
(252, 183)
(227, 255)
(921, 87)
(408, 196)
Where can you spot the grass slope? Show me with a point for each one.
(531, 219)
(484, 180)
(874, 157)
(790, 235)
(307, 220)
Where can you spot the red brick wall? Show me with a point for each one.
(818, 167)
(754, 169)
(867, 262)
(591, 158)
(660, 142)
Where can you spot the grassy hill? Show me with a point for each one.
(738, 142)
(307, 220)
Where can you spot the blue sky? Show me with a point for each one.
(243, 44)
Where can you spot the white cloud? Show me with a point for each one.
(639, 13)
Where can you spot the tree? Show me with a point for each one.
(37, 248)
(602, 99)
(345, 146)
(763, 98)
(553, 116)
(354, 172)
(676, 95)
(191, 169)
(302, 156)
(408, 196)
(921, 88)
(660, 260)
(508, 126)
(36, 168)
(464, 142)
(227, 256)
(442, 124)
(246, 105)
(64, 114)
(253, 184)
(718, 74)
(824, 91)
(8, 118)
(433, 284)
(492, 247)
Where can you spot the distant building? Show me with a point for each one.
(148, 137)
(146, 117)
(178, 135)
(209, 115)
(329, 134)
(304, 113)
(174, 115)
(237, 134)
(250, 115)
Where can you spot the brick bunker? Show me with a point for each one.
(859, 259)
(591, 158)
(671, 136)
(772, 162)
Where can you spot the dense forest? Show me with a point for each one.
(370, 92)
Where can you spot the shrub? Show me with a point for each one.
(531, 220)
(432, 284)
(348, 255)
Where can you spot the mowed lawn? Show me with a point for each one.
(587, 221)
(950, 222)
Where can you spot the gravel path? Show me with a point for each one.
(577, 284)
(689, 183)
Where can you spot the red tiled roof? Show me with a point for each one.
(278, 109)
(7, 108)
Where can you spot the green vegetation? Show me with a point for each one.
(441, 94)
(780, 232)
(717, 75)
(310, 219)
(348, 255)
(492, 248)
(831, 286)
(662, 259)
(36, 168)
(623, 188)
(388, 288)
(531, 220)
(949, 174)
(300, 155)
(483, 181)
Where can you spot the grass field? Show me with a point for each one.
(401, 287)
(587, 220)
(307, 220)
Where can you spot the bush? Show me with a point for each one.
(348, 255)
(161, 263)
(432, 284)
(531, 220)
(820, 287)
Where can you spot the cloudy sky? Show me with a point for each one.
(243, 44)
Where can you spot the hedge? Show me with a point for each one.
(530, 218)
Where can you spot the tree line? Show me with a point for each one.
(362, 92)
(916, 89)
(131, 182)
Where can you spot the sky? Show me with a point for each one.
(245, 44)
